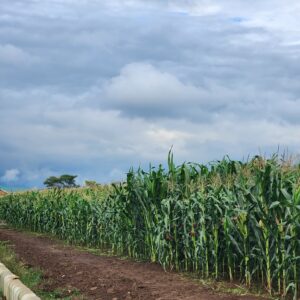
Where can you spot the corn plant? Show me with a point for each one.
(226, 220)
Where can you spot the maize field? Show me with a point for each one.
(232, 220)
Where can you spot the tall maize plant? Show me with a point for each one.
(226, 220)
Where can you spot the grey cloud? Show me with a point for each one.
(11, 55)
(141, 90)
(144, 91)
(10, 175)
(93, 87)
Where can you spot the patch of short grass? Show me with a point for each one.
(31, 277)
(226, 287)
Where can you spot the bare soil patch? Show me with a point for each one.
(103, 277)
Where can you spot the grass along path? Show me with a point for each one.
(33, 278)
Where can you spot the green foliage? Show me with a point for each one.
(64, 181)
(229, 219)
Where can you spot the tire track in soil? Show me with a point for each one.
(103, 277)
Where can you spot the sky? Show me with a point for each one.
(93, 87)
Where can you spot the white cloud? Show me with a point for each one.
(166, 138)
(143, 90)
(140, 84)
(10, 54)
(10, 175)
(195, 8)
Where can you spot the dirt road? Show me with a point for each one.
(103, 277)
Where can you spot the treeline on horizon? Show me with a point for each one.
(226, 220)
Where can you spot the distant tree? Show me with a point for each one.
(92, 184)
(68, 180)
(64, 181)
(51, 182)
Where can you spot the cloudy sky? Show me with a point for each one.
(92, 87)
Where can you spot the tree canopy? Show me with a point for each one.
(63, 181)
